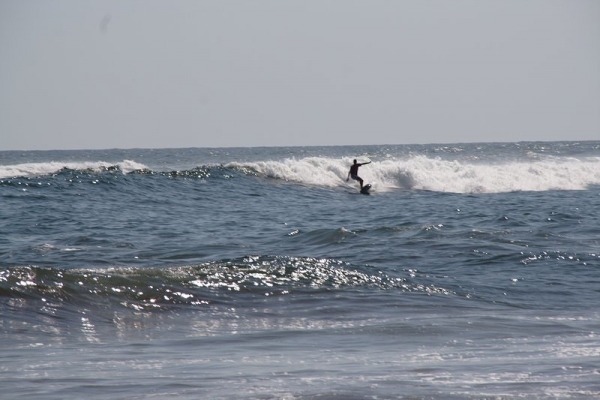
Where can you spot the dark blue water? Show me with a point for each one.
(470, 271)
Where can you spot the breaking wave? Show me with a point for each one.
(439, 175)
(417, 172)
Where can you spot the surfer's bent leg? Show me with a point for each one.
(357, 178)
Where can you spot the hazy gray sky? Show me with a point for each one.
(102, 74)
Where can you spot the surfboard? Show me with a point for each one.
(366, 188)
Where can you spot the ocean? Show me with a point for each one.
(470, 271)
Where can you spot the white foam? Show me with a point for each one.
(317, 171)
(46, 168)
(436, 174)
(465, 177)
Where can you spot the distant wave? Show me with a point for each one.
(416, 172)
(48, 168)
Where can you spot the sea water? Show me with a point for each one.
(470, 271)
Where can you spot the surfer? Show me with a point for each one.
(354, 173)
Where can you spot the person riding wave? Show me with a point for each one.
(353, 173)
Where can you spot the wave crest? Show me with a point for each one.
(416, 172)
(53, 167)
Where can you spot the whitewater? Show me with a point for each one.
(470, 271)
